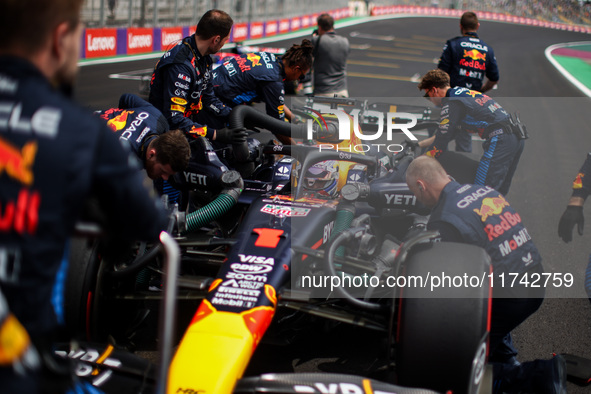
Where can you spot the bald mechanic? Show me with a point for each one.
(479, 215)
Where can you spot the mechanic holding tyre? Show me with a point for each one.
(467, 59)
(573, 213)
(53, 156)
(472, 111)
(481, 216)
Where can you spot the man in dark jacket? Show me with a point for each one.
(467, 59)
(163, 153)
(481, 216)
(53, 156)
(181, 82)
(474, 112)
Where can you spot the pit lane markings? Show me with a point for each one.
(132, 75)
(427, 38)
(371, 36)
(372, 64)
(407, 58)
(397, 50)
(381, 76)
(402, 48)
(419, 47)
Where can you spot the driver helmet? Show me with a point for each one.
(322, 179)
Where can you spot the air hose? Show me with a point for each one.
(243, 115)
(221, 205)
(344, 217)
(334, 245)
(193, 221)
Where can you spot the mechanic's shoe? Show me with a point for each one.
(558, 381)
(537, 376)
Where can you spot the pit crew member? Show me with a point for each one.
(260, 76)
(481, 216)
(573, 213)
(162, 152)
(181, 82)
(53, 156)
(474, 112)
(467, 59)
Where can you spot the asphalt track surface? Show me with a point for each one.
(385, 56)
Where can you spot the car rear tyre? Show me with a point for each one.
(442, 331)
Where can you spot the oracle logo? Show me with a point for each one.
(271, 28)
(139, 41)
(100, 43)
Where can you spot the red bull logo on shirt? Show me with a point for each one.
(475, 55)
(473, 93)
(434, 152)
(491, 206)
(16, 163)
(255, 60)
(119, 121)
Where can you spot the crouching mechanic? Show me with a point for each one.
(260, 76)
(472, 111)
(162, 152)
(481, 216)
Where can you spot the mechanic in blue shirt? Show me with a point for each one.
(481, 216)
(573, 213)
(162, 152)
(467, 59)
(54, 155)
(474, 112)
(181, 83)
(260, 76)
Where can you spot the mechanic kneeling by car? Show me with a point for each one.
(481, 216)
(163, 153)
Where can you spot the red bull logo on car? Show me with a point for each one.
(475, 55)
(16, 163)
(491, 206)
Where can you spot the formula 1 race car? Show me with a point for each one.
(307, 233)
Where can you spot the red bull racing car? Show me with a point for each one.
(282, 245)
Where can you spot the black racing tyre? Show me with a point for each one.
(81, 285)
(442, 333)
